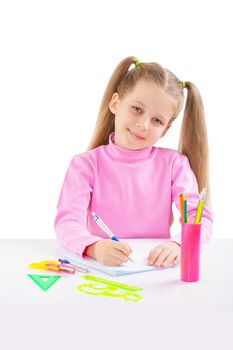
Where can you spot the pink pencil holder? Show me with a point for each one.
(190, 252)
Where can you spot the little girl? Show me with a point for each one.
(127, 181)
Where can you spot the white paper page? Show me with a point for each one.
(139, 257)
(140, 262)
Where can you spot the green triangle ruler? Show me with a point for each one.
(44, 281)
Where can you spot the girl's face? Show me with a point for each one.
(142, 116)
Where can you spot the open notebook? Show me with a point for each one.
(138, 256)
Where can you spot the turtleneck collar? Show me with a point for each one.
(129, 156)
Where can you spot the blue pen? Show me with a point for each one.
(106, 229)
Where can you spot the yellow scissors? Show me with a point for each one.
(52, 265)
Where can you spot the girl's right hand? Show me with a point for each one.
(109, 252)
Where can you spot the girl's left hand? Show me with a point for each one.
(165, 254)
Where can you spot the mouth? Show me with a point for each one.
(135, 136)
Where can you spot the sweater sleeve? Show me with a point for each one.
(184, 180)
(70, 222)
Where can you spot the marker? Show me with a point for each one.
(182, 206)
(185, 209)
(107, 230)
(200, 206)
(75, 266)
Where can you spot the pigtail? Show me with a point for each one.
(105, 120)
(193, 138)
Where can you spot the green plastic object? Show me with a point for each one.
(109, 288)
(44, 281)
(108, 291)
(111, 283)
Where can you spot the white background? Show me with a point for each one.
(55, 60)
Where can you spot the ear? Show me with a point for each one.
(165, 130)
(114, 103)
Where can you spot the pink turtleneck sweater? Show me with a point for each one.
(131, 191)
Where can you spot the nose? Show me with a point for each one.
(142, 124)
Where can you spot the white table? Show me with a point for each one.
(172, 314)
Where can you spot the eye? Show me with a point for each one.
(157, 121)
(137, 109)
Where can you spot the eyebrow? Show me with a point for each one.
(159, 115)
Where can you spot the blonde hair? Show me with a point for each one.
(193, 141)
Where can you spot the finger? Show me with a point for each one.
(154, 254)
(123, 247)
(176, 260)
(113, 261)
(118, 254)
(164, 254)
(169, 259)
(129, 249)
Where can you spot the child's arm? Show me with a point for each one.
(183, 180)
(70, 221)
